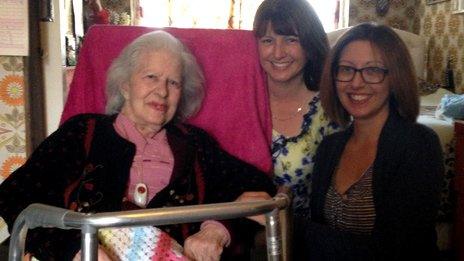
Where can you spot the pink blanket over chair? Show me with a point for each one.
(235, 110)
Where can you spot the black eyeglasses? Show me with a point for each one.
(371, 75)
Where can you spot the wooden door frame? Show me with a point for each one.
(34, 83)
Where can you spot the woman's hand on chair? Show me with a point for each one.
(27, 257)
(206, 245)
(255, 196)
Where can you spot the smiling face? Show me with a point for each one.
(153, 93)
(281, 56)
(363, 100)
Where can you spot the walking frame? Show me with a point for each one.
(40, 215)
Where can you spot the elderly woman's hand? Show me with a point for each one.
(255, 196)
(207, 244)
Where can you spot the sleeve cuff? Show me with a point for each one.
(220, 226)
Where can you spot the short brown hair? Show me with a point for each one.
(296, 17)
(402, 80)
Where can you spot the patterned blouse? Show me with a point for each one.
(293, 157)
(353, 211)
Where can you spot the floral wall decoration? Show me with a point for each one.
(12, 117)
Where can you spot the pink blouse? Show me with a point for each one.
(153, 161)
(153, 164)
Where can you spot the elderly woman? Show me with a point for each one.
(141, 155)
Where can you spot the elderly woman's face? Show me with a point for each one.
(154, 91)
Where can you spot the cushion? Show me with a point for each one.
(235, 110)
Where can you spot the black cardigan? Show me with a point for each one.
(407, 173)
(202, 173)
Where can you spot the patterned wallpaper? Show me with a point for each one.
(12, 120)
(444, 31)
(402, 14)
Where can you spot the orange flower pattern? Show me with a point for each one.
(12, 90)
(12, 117)
(11, 164)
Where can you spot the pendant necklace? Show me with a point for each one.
(141, 189)
(141, 195)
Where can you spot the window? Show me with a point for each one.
(326, 10)
(219, 14)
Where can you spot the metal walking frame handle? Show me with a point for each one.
(39, 215)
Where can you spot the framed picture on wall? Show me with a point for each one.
(431, 2)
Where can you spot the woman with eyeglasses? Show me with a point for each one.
(375, 184)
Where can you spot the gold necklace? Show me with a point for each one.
(293, 115)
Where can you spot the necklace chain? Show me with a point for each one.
(293, 115)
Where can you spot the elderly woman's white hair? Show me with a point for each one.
(130, 59)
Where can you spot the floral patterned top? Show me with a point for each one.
(293, 156)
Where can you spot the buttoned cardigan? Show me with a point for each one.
(61, 173)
